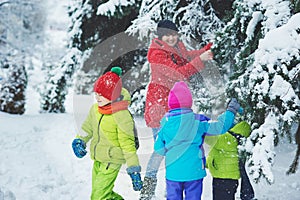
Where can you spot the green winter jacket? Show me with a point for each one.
(223, 158)
(111, 135)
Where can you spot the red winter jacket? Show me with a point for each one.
(168, 65)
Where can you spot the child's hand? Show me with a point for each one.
(241, 111)
(233, 106)
(136, 181)
(134, 173)
(79, 146)
(207, 55)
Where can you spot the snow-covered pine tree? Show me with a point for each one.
(273, 91)
(54, 92)
(12, 91)
(261, 56)
(60, 73)
(21, 30)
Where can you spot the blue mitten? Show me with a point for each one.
(134, 173)
(79, 146)
(233, 106)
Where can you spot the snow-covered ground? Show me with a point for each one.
(37, 162)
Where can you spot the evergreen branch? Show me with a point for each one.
(10, 2)
(295, 75)
(3, 3)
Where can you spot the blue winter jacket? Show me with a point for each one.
(180, 140)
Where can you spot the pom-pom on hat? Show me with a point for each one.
(109, 85)
(166, 27)
(180, 96)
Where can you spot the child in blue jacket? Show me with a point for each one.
(180, 140)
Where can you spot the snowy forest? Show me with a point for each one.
(256, 46)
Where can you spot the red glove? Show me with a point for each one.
(208, 46)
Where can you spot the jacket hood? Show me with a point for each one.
(126, 95)
(242, 128)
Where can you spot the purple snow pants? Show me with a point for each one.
(192, 190)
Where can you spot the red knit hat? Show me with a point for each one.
(180, 96)
(109, 85)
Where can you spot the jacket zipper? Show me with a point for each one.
(107, 166)
(98, 133)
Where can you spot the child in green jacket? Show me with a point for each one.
(223, 162)
(110, 128)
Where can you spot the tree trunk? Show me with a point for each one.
(294, 165)
(295, 6)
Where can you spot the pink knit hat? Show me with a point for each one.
(180, 96)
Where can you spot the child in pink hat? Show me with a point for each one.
(180, 140)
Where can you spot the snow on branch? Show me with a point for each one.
(280, 44)
(279, 47)
(281, 88)
(256, 18)
(109, 8)
(143, 27)
(261, 144)
(277, 12)
(145, 24)
(4, 2)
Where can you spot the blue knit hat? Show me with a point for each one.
(166, 27)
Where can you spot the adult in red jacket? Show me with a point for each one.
(170, 62)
